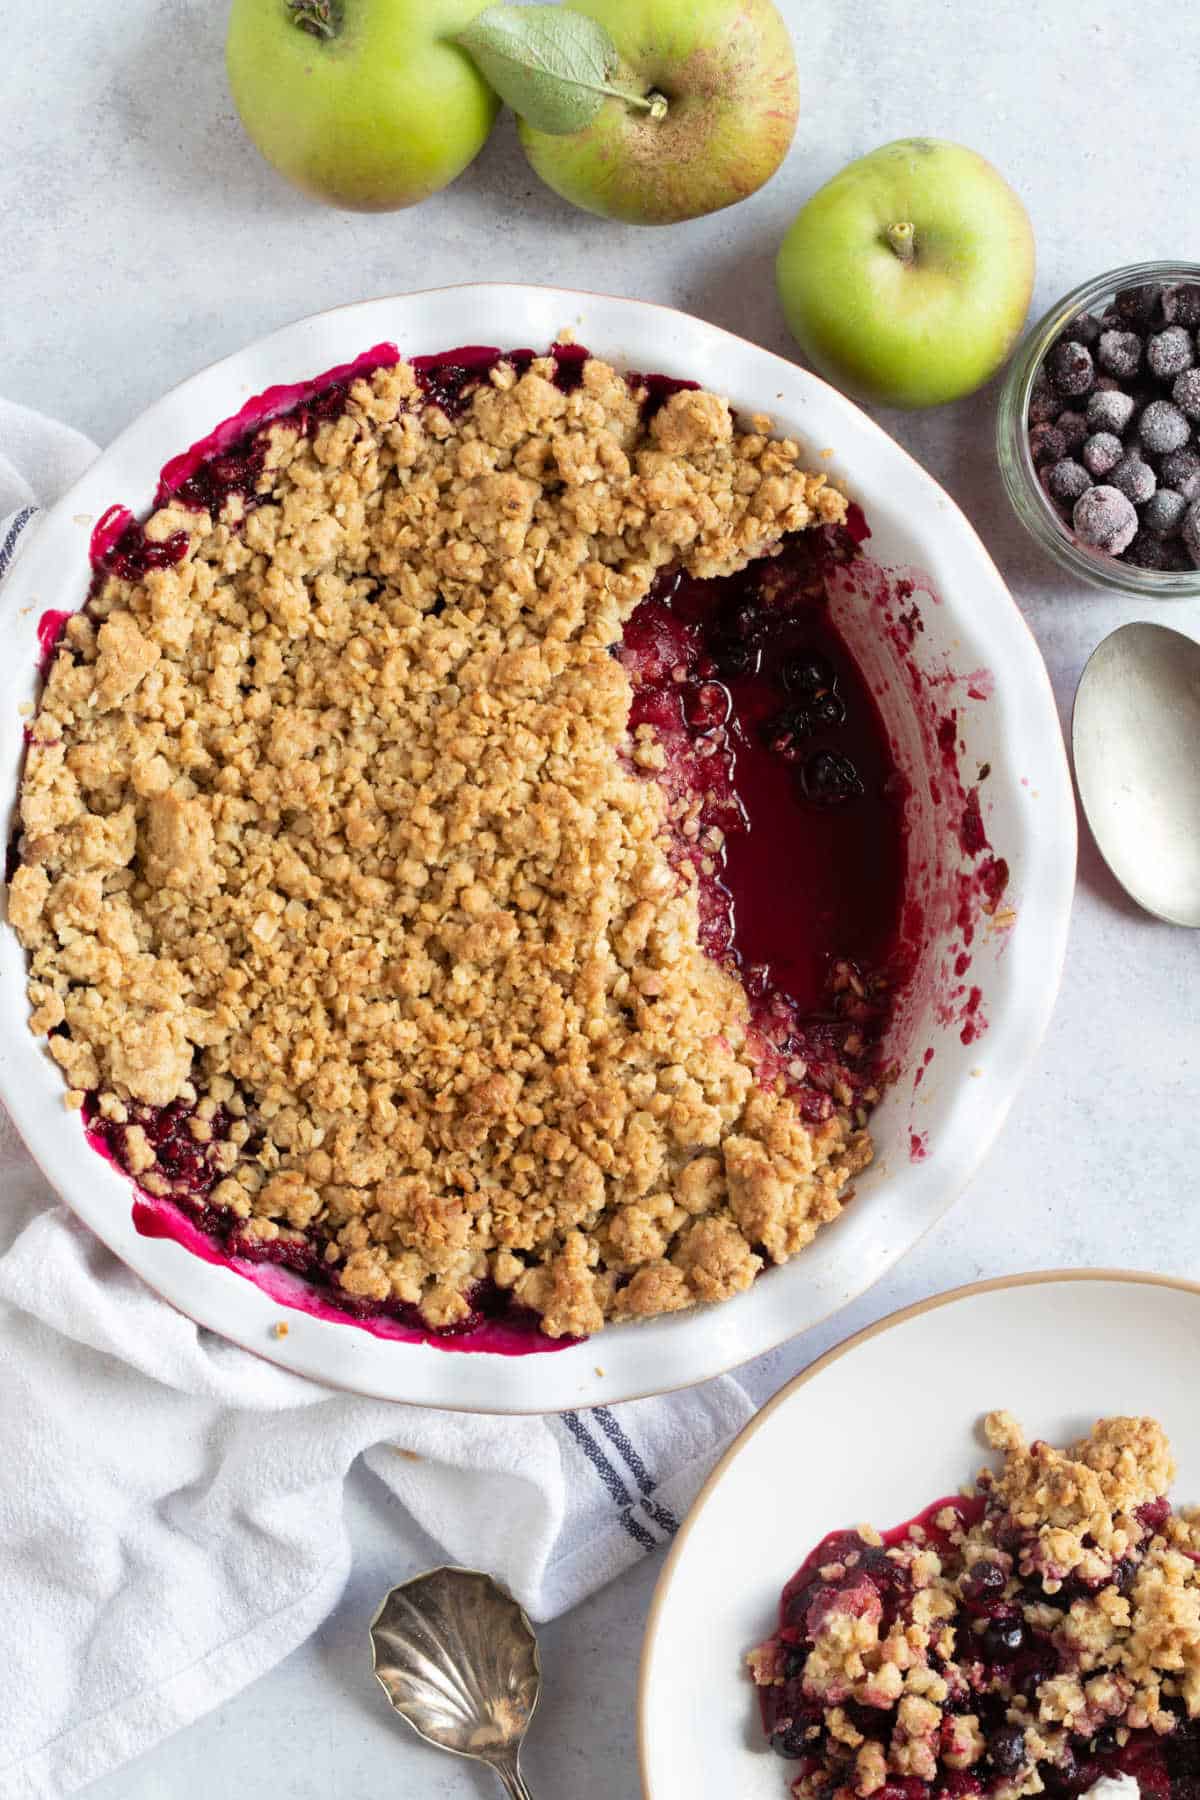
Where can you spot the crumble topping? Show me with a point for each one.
(1037, 1636)
(347, 905)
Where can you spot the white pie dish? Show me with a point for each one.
(861, 1436)
(965, 1092)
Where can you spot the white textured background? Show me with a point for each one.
(142, 237)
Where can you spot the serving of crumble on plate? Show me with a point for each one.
(373, 929)
(1038, 1634)
(1032, 1629)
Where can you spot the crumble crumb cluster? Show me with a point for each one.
(1037, 1636)
(348, 909)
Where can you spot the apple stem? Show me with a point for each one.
(654, 103)
(902, 239)
(320, 18)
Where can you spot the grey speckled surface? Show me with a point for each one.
(143, 237)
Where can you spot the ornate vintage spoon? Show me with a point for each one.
(1136, 737)
(457, 1658)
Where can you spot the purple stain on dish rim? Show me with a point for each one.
(50, 628)
(154, 1218)
(286, 1269)
(260, 410)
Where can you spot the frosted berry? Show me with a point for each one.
(1181, 304)
(1133, 477)
(1163, 428)
(1170, 352)
(1044, 404)
(1072, 428)
(1191, 532)
(1150, 551)
(1186, 393)
(1105, 519)
(1141, 398)
(1066, 481)
(1119, 353)
(1181, 471)
(1047, 444)
(1084, 328)
(1109, 410)
(1071, 369)
(1138, 307)
(1101, 452)
(1163, 512)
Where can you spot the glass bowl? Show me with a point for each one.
(1030, 502)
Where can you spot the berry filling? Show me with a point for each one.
(785, 802)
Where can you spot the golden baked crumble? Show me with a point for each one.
(332, 832)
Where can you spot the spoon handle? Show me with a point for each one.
(514, 1782)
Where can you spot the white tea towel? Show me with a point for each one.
(171, 1507)
(39, 459)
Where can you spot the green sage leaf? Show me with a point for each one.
(553, 66)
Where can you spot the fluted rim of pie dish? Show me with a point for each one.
(905, 1198)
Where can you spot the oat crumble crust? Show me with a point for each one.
(1088, 1556)
(334, 828)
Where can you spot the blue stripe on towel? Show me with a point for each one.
(637, 1468)
(612, 1481)
(9, 546)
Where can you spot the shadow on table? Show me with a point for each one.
(173, 97)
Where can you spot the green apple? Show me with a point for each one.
(906, 279)
(364, 103)
(727, 74)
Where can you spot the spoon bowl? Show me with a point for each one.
(458, 1659)
(1136, 740)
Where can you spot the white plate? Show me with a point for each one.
(1028, 810)
(873, 1432)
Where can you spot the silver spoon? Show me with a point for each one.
(457, 1658)
(1136, 738)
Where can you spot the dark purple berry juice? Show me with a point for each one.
(800, 846)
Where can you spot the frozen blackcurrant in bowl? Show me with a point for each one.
(1100, 410)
